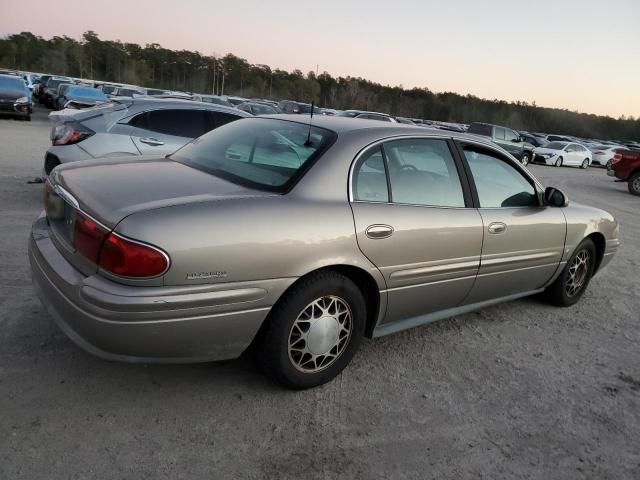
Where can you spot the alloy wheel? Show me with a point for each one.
(585, 163)
(635, 184)
(578, 273)
(320, 334)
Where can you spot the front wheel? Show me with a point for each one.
(558, 162)
(585, 163)
(569, 287)
(526, 158)
(313, 332)
(634, 184)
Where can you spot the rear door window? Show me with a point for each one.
(180, 123)
(220, 118)
(423, 172)
(499, 133)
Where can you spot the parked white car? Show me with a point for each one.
(563, 153)
(603, 154)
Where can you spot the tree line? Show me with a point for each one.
(155, 66)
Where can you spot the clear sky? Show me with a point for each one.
(582, 55)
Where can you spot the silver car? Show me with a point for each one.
(131, 126)
(298, 240)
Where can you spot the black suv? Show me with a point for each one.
(505, 137)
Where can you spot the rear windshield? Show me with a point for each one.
(13, 83)
(265, 154)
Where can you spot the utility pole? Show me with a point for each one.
(214, 77)
(270, 82)
(222, 91)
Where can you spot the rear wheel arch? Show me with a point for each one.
(360, 277)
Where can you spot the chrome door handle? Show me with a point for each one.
(379, 231)
(497, 227)
(151, 141)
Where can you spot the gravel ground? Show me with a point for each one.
(520, 390)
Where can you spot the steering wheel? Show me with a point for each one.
(408, 167)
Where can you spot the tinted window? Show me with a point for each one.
(480, 129)
(182, 123)
(498, 183)
(370, 180)
(423, 172)
(499, 131)
(220, 118)
(263, 153)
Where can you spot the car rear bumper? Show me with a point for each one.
(145, 324)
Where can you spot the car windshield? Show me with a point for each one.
(265, 154)
(346, 114)
(12, 83)
(86, 92)
(261, 109)
(555, 145)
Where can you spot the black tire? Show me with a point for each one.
(634, 184)
(526, 158)
(272, 346)
(559, 162)
(585, 164)
(560, 292)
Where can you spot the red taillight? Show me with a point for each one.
(69, 133)
(616, 157)
(88, 237)
(131, 259)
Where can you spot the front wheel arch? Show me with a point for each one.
(599, 241)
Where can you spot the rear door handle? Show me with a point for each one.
(151, 141)
(497, 227)
(379, 231)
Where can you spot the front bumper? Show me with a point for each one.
(15, 108)
(144, 324)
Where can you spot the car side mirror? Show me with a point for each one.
(555, 198)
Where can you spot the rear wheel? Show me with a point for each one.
(313, 331)
(585, 163)
(558, 162)
(634, 184)
(526, 158)
(569, 287)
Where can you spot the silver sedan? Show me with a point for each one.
(295, 238)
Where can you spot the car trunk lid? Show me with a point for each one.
(112, 189)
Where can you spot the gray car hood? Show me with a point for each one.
(112, 189)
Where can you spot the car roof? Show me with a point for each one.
(343, 125)
(154, 102)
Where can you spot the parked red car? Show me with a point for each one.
(625, 166)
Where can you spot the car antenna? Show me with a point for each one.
(308, 142)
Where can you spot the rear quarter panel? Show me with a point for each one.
(250, 239)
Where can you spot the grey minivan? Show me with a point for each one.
(296, 240)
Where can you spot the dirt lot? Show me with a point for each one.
(521, 390)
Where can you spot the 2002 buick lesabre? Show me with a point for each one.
(299, 240)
